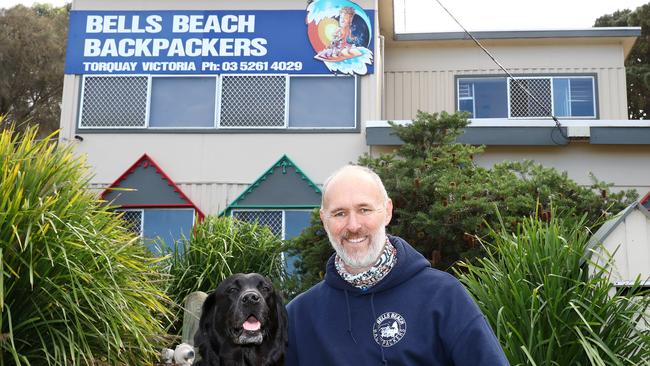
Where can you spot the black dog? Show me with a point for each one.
(243, 322)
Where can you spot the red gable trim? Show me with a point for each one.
(146, 160)
(645, 198)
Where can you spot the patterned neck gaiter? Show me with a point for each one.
(379, 270)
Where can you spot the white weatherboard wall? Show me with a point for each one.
(630, 243)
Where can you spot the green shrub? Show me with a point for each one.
(545, 306)
(218, 248)
(75, 287)
(312, 249)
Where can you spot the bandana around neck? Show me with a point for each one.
(374, 274)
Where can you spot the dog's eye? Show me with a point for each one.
(266, 288)
(231, 290)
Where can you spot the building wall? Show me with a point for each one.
(618, 164)
(422, 75)
(629, 244)
(213, 168)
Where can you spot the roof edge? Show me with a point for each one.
(284, 161)
(161, 172)
(524, 34)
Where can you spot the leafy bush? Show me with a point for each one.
(312, 249)
(545, 307)
(218, 248)
(75, 287)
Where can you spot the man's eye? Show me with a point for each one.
(338, 214)
(365, 211)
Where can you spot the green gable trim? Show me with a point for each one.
(282, 166)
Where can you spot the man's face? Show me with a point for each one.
(355, 214)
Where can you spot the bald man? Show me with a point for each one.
(381, 303)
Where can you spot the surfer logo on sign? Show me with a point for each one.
(340, 33)
(340, 48)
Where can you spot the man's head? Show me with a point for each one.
(355, 210)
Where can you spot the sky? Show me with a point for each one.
(477, 15)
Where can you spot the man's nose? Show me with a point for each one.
(353, 223)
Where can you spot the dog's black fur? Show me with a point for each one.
(221, 338)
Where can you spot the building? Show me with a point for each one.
(248, 106)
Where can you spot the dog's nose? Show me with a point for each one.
(251, 298)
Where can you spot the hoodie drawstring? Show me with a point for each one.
(374, 316)
(347, 303)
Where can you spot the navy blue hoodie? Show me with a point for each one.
(416, 315)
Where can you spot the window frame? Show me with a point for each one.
(216, 127)
(551, 77)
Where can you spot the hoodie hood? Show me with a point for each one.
(409, 263)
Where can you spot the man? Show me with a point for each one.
(381, 303)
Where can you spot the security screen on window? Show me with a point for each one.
(243, 102)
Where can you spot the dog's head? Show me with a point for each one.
(245, 310)
(249, 300)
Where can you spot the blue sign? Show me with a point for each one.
(222, 42)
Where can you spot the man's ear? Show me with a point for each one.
(389, 211)
(322, 216)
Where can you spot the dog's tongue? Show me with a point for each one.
(252, 324)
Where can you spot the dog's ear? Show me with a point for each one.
(281, 337)
(208, 350)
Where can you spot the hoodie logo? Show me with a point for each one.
(389, 328)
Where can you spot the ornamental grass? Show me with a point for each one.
(75, 287)
(218, 248)
(547, 307)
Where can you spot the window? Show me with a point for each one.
(574, 97)
(274, 219)
(527, 97)
(219, 102)
(160, 227)
(133, 219)
(483, 98)
(253, 101)
(182, 101)
(114, 102)
(530, 98)
(322, 101)
(287, 224)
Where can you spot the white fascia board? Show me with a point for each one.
(503, 122)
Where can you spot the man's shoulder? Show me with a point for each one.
(312, 294)
(436, 277)
(438, 284)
